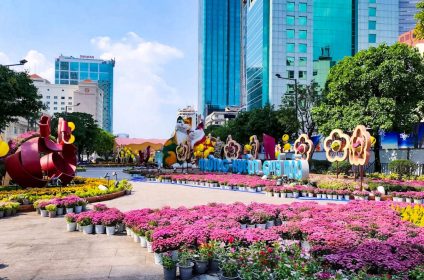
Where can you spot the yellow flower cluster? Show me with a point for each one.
(413, 214)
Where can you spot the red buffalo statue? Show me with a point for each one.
(39, 159)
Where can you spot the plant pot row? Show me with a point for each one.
(60, 211)
(7, 213)
(214, 185)
(93, 229)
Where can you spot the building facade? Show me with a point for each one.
(219, 55)
(221, 118)
(410, 39)
(407, 10)
(71, 70)
(89, 96)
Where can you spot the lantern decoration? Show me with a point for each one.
(232, 149)
(254, 143)
(183, 151)
(286, 144)
(39, 159)
(336, 146)
(303, 146)
(4, 148)
(360, 146)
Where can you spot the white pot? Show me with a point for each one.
(243, 226)
(269, 194)
(158, 258)
(44, 213)
(335, 196)
(69, 210)
(377, 198)
(346, 197)
(78, 209)
(87, 229)
(250, 226)
(319, 195)
(143, 241)
(283, 195)
(71, 227)
(253, 190)
(305, 246)
(270, 224)
(222, 187)
(59, 211)
(149, 247)
(417, 201)
(99, 229)
(340, 197)
(136, 238)
(110, 230)
(243, 189)
(263, 226)
(408, 200)
(128, 231)
(295, 194)
(304, 194)
(310, 194)
(324, 195)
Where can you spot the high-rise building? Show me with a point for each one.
(219, 55)
(407, 11)
(279, 41)
(71, 70)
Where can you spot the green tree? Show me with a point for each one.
(308, 96)
(103, 143)
(419, 16)
(18, 97)
(380, 88)
(86, 130)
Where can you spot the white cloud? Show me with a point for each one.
(145, 105)
(4, 59)
(38, 64)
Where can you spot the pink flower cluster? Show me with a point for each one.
(339, 232)
(60, 202)
(101, 216)
(225, 179)
(410, 194)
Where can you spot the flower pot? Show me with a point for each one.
(158, 258)
(170, 274)
(278, 222)
(52, 214)
(417, 201)
(213, 266)
(120, 228)
(243, 226)
(222, 277)
(283, 195)
(304, 194)
(69, 210)
(250, 226)
(263, 226)
(319, 195)
(59, 211)
(84, 208)
(37, 210)
(71, 226)
(8, 213)
(110, 230)
(136, 238)
(340, 197)
(44, 213)
(1, 214)
(186, 272)
(243, 189)
(324, 195)
(222, 187)
(128, 230)
(201, 266)
(269, 224)
(127, 192)
(251, 190)
(14, 211)
(149, 247)
(295, 194)
(143, 241)
(310, 194)
(408, 200)
(335, 196)
(305, 245)
(346, 197)
(99, 229)
(87, 229)
(377, 198)
(78, 209)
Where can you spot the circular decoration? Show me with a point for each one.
(232, 149)
(303, 146)
(4, 148)
(285, 138)
(287, 147)
(359, 153)
(336, 146)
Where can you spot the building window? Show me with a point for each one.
(62, 108)
(70, 97)
(64, 65)
(73, 82)
(62, 103)
(290, 47)
(303, 20)
(289, 20)
(303, 7)
(69, 103)
(70, 109)
(74, 75)
(372, 38)
(302, 75)
(48, 97)
(54, 97)
(290, 61)
(74, 66)
(290, 33)
(64, 74)
(290, 6)
(290, 88)
(54, 108)
(303, 48)
(302, 61)
(290, 74)
(83, 66)
(372, 12)
(303, 34)
(62, 97)
(55, 102)
(48, 102)
(371, 1)
(94, 67)
(372, 24)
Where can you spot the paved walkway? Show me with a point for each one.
(32, 247)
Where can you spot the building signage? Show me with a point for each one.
(293, 169)
(87, 56)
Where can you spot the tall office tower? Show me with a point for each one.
(71, 70)
(407, 11)
(279, 41)
(219, 55)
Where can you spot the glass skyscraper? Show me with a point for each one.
(219, 55)
(71, 70)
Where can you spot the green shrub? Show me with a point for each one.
(402, 167)
(344, 167)
(319, 166)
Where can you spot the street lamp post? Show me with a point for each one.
(295, 88)
(21, 62)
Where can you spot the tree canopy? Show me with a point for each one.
(419, 16)
(18, 97)
(103, 143)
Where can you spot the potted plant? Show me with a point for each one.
(185, 265)
(149, 241)
(71, 219)
(97, 219)
(78, 206)
(51, 208)
(216, 252)
(229, 270)
(2, 207)
(143, 240)
(86, 224)
(110, 219)
(43, 210)
(377, 196)
(203, 256)
(169, 267)
(60, 208)
(69, 205)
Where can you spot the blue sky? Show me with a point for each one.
(154, 43)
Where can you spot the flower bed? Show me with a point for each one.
(101, 220)
(357, 236)
(8, 209)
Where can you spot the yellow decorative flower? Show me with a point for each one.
(336, 146)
